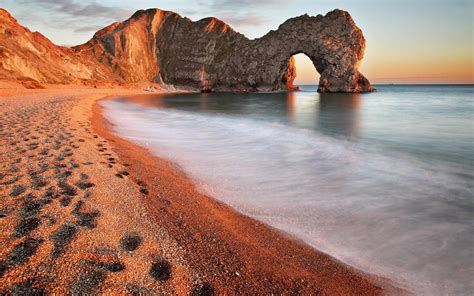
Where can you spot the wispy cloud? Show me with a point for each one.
(222, 4)
(242, 13)
(245, 20)
(82, 18)
(78, 9)
(92, 28)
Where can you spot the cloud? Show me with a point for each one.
(242, 13)
(245, 20)
(82, 9)
(79, 18)
(93, 28)
(244, 3)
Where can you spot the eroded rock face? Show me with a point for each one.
(208, 55)
(29, 56)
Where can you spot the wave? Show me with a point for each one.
(385, 212)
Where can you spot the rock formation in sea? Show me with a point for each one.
(208, 55)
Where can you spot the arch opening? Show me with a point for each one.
(301, 72)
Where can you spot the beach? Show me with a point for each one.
(86, 211)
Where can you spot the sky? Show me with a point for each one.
(408, 41)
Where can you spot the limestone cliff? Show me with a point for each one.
(30, 55)
(207, 55)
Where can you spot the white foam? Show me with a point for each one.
(385, 213)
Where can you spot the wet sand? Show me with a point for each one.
(85, 211)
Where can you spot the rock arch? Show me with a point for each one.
(209, 55)
(333, 43)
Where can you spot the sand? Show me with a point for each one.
(86, 211)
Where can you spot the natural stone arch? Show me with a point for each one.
(334, 44)
(209, 55)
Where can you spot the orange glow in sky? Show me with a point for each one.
(420, 42)
(305, 71)
(407, 69)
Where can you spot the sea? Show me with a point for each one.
(381, 181)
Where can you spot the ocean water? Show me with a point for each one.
(381, 181)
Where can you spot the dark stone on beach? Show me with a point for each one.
(4, 213)
(3, 268)
(25, 226)
(65, 201)
(144, 190)
(165, 202)
(130, 242)
(111, 267)
(63, 175)
(13, 180)
(31, 208)
(137, 290)
(28, 287)
(160, 270)
(84, 185)
(85, 219)
(202, 289)
(67, 189)
(115, 267)
(62, 237)
(38, 182)
(87, 282)
(46, 201)
(20, 254)
(17, 190)
(51, 220)
(50, 193)
(30, 196)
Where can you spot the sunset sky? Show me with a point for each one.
(408, 41)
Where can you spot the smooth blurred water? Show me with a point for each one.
(381, 181)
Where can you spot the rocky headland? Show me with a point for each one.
(208, 55)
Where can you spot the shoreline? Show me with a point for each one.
(207, 245)
(264, 238)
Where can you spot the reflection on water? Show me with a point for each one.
(203, 101)
(291, 102)
(334, 114)
(344, 110)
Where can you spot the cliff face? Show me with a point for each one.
(208, 55)
(25, 54)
